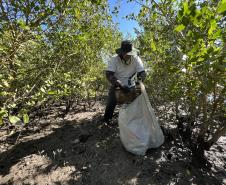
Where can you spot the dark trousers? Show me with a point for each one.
(111, 104)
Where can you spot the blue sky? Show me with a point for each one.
(126, 8)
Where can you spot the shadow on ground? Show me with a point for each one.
(90, 153)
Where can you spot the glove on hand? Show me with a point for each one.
(141, 76)
(125, 89)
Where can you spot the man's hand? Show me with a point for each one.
(124, 88)
(118, 83)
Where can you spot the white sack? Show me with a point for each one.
(138, 125)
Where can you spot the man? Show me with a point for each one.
(120, 68)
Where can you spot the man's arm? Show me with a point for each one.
(115, 82)
(112, 79)
(141, 74)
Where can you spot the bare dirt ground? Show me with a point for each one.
(81, 150)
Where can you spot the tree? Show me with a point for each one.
(50, 50)
(183, 43)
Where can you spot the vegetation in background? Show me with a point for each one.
(50, 50)
(183, 43)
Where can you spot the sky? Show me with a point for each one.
(126, 8)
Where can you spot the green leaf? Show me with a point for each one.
(1, 121)
(42, 89)
(190, 33)
(26, 118)
(3, 93)
(221, 6)
(13, 105)
(52, 92)
(14, 119)
(217, 34)
(36, 8)
(179, 28)
(213, 26)
(186, 8)
(153, 47)
(23, 25)
(5, 83)
(3, 113)
(77, 13)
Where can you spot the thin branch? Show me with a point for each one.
(141, 4)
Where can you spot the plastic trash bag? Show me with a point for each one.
(138, 125)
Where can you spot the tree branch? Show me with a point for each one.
(136, 1)
(217, 135)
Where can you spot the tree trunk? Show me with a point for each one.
(198, 158)
(204, 126)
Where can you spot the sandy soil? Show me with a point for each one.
(81, 150)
